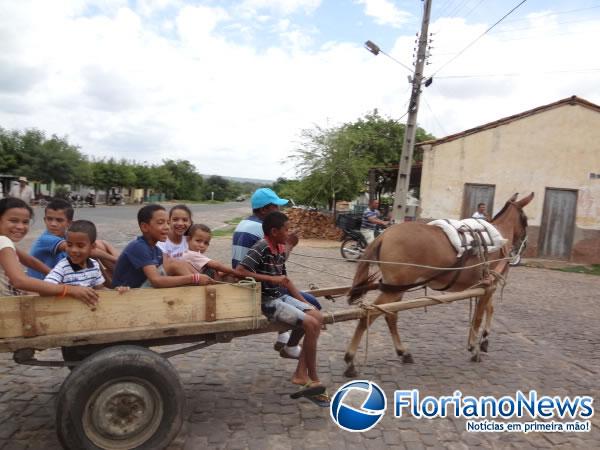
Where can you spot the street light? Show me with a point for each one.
(401, 194)
(376, 50)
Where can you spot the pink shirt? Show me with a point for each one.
(196, 259)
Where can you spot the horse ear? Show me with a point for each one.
(525, 200)
(514, 197)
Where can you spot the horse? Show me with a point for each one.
(419, 244)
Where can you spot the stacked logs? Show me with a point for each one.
(313, 224)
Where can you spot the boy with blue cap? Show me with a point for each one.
(247, 233)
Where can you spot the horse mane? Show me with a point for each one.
(502, 211)
(522, 215)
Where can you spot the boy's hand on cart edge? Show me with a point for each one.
(87, 295)
(122, 289)
(205, 279)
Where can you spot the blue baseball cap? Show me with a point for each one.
(265, 196)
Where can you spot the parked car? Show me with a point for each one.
(240, 198)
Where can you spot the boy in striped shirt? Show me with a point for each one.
(78, 269)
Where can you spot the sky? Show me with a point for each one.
(230, 85)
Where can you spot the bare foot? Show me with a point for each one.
(305, 381)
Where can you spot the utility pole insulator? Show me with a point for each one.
(401, 195)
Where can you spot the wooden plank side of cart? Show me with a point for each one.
(45, 322)
(155, 314)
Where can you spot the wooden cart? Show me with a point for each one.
(120, 394)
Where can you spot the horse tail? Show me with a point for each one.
(362, 278)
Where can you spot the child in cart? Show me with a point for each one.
(198, 240)
(265, 262)
(15, 218)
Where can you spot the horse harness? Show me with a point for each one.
(478, 248)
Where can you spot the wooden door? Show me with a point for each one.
(475, 194)
(558, 223)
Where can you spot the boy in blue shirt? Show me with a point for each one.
(51, 245)
(141, 264)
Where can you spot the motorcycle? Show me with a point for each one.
(90, 200)
(353, 241)
(76, 200)
(353, 244)
(116, 198)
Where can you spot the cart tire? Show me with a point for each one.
(351, 249)
(122, 397)
(76, 354)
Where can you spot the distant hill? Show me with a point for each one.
(245, 180)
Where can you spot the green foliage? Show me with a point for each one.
(334, 163)
(221, 188)
(593, 269)
(32, 154)
(62, 192)
(179, 179)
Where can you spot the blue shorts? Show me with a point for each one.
(308, 297)
(286, 309)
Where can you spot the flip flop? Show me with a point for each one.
(308, 391)
(323, 400)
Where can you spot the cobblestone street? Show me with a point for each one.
(544, 337)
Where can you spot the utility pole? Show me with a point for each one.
(401, 195)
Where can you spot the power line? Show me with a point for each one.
(460, 6)
(435, 117)
(512, 30)
(479, 37)
(517, 74)
(473, 9)
(544, 36)
(550, 14)
(443, 9)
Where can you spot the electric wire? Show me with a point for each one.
(516, 74)
(435, 117)
(550, 14)
(479, 37)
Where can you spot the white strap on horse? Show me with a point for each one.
(492, 237)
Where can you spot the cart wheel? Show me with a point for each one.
(122, 397)
(79, 353)
(351, 249)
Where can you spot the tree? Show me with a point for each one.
(9, 149)
(334, 163)
(109, 173)
(221, 189)
(188, 182)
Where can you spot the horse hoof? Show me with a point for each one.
(470, 348)
(484, 346)
(351, 372)
(348, 358)
(476, 358)
(399, 352)
(407, 358)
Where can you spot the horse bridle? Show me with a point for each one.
(523, 238)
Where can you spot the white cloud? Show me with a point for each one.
(384, 12)
(284, 7)
(520, 66)
(119, 87)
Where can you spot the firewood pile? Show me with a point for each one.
(313, 224)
